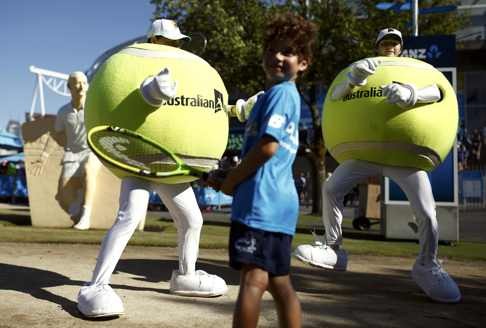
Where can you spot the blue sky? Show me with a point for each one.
(58, 35)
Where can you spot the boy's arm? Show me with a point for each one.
(256, 157)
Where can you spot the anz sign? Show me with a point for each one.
(439, 50)
(430, 54)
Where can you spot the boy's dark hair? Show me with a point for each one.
(299, 32)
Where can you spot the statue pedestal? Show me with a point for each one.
(39, 137)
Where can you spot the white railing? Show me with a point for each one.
(55, 81)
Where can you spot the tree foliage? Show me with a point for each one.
(234, 33)
(347, 31)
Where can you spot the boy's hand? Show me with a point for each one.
(229, 184)
(215, 179)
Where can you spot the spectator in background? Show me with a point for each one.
(476, 145)
(462, 135)
(482, 155)
(462, 155)
(301, 185)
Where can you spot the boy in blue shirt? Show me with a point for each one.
(265, 202)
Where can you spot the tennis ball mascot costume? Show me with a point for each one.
(154, 94)
(395, 117)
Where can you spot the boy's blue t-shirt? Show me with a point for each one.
(268, 200)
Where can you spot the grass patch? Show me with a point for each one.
(160, 231)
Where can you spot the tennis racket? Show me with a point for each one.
(137, 154)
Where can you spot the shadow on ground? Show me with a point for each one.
(19, 219)
(34, 282)
(386, 297)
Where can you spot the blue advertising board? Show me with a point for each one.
(438, 50)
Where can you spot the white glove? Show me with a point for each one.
(403, 95)
(155, 89)
(243, 108)
(361, 69)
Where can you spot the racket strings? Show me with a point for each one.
(134, 151)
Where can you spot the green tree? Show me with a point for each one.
(234, 33)
(347, 31)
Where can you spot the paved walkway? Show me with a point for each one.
(39, 283)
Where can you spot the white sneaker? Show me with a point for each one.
(200, 284)
(322, 256)
(436, 283)
(96, 301)
(85, 220)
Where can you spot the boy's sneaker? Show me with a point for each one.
(321, 255)
(436, 283)
(96, 301)
(199, 284)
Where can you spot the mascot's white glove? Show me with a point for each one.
(361, 69)
(428, 94)
(403, 95)
(243, 108)
(155, 89)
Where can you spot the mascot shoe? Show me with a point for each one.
(321, 255)
(200, 284)
(99, 301)
(436, 283)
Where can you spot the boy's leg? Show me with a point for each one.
(182, 205)
(288, 305)
(253, 283)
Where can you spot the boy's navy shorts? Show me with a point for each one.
(267, 250)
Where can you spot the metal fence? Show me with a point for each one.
(472, 188)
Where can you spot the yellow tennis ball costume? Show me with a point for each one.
(193, 124)
(364, 126)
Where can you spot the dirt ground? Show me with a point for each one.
(39, 283)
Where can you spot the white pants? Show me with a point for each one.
(134, 197)
(414, 183)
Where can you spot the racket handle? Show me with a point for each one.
(215, 178)
(204, 176)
